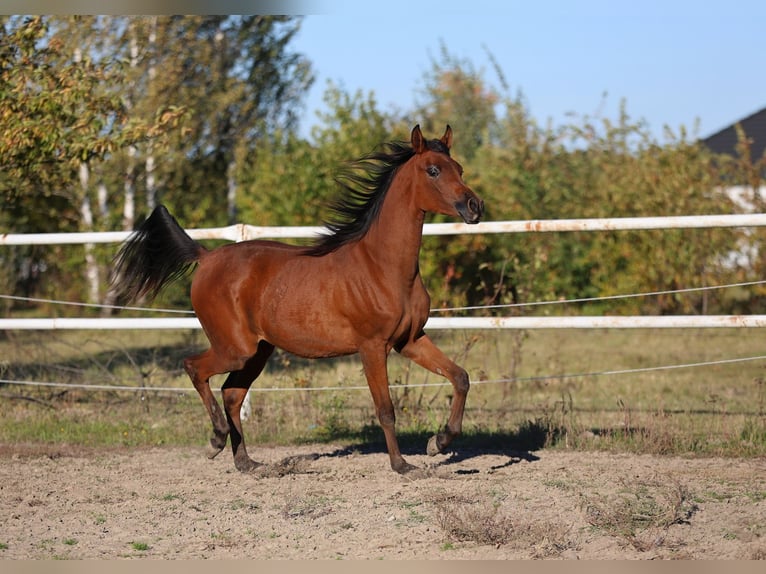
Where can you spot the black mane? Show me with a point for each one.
(364, 183)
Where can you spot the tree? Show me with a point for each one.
(594, 167)
(57, 121)
(91, 131)
(289, 181)
(455, 93)
(243, 84)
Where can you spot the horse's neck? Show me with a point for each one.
(394, 239)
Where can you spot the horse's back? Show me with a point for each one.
(267, 290)
(232, 277)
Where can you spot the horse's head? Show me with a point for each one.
(438, 179)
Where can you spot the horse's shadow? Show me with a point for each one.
(512, 446)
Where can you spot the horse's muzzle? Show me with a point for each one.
(471, 209)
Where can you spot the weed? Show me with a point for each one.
(333, 422)
(642, 512)
(170, 496)
(483, 524)
(754, 431)
(415, 517)
(310, 507)
(239, 504)
(140, 546)
(466, 520)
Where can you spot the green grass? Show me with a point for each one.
(555, 393)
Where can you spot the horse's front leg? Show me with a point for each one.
(423, 351)
(375, 369)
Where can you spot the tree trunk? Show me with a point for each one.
(86, 219)
(151, 182)
(231, 194)
(86, 216)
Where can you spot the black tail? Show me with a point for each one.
(158, 252)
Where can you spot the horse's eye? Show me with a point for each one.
(432, 171)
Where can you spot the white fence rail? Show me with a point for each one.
(434, 323)
(241, 232)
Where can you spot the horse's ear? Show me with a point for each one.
(418, 143)
(447, 137)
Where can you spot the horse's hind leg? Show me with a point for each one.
(200, 369)
(233, 393)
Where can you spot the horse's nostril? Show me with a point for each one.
(476, 205)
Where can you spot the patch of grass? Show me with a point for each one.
(718, 410)
(415, 517)
(170, 496)
(311, 506)
(94, 423)
(466, 520)
(642, 511)
(140, 546)
(475, 522)
(239, 504)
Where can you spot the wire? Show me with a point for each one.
(439, 310)
(402, 386)
(94, 305)
(592, 299)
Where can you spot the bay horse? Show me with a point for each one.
(357, 289)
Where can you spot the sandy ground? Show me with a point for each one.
(337, 502)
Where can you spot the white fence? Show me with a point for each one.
(241, 232)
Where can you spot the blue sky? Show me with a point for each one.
(673, 61)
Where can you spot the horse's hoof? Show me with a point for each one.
(408, 470)
(248, 465)
(433, 447)
(213, 451)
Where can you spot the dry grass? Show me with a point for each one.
(641, 512)
(485, 522)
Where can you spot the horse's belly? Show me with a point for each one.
(313, 309)
(308, 331)
(309, 341)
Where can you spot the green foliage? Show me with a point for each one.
(455, 93)
(289, 181)
(60, 109)
(104, 116)
(200, 113)
(598, 169)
